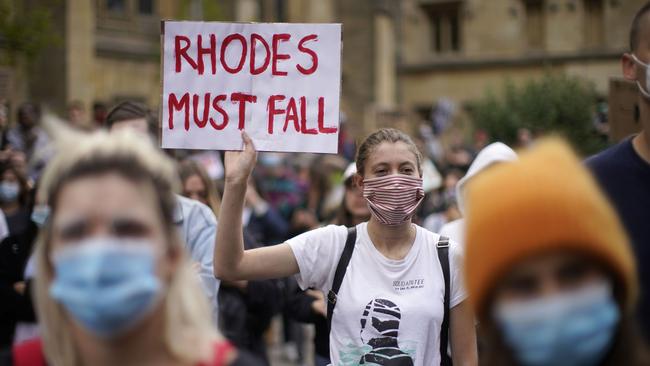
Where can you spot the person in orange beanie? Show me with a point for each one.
(548, 265)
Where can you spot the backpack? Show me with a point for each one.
(443, 255)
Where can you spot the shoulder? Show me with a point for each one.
(330, 233)
(187, 209)
(610, 157)
(453, 229)
(427, 235)
(431, 240)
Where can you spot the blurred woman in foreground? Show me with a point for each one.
(549, 270)
(113, 284)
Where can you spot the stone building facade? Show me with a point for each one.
(460, 49)
(398, 55)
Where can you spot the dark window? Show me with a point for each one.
(535, 24)
(594, 23)
(281, 10)
(145, 7)
(437, 34)
(444, 19)
(117, 6)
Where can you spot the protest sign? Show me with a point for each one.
(278, 82)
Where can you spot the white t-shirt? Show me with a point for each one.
(386, 309)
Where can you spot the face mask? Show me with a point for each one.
(643, 89)
(572, 329)
(9, 191)
(392, 199)
(108, 285)
(40, 213)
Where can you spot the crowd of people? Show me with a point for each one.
(114, 251)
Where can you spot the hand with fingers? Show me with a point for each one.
(240, 164)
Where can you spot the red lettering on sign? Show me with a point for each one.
(174, 104)
(242, 58)
(181, 51)
(270, 107)
(292, 115)
(267, 54)
(217, 107)
(314, 56)
(303, 118)
(206, 111)
(242, 99)
(277, 38)
(321, 117)
(210, 50)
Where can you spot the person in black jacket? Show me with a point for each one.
(15, 249)
(246, 309)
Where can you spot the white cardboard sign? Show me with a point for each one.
(279, 82)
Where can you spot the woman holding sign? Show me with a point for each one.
(395, 289)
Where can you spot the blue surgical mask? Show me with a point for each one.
(40, 213)
(570, 329)
(107, 285)
(9, 191)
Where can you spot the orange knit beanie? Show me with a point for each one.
(545, 200)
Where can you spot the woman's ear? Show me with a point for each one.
(629, 67)
(358, 180)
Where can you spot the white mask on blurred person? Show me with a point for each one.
(644, 89)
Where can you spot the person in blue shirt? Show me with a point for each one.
(195, 221)
(623, 170)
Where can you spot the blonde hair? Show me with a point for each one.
(188, 168)
(189, 335)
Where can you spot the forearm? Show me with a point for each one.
(229, 246)
(463, 336)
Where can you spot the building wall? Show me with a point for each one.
(389, 62)
(126, 59)
(464, 85)
(118, 79)
(495, 46)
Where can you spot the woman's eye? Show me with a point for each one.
(524, 286)
(73, 232)
(129, 228)
(573, 273)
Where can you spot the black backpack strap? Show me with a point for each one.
(340, 273)
(443, 256)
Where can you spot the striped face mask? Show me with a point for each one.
(392, 199)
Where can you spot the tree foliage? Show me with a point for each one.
(25, 30)
(555, 104)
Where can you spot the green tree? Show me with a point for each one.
(24, 30)
(555, 104)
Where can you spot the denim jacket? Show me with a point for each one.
(197, 226)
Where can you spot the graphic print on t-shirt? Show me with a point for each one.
(379, 333)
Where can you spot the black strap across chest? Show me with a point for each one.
(340, 273)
